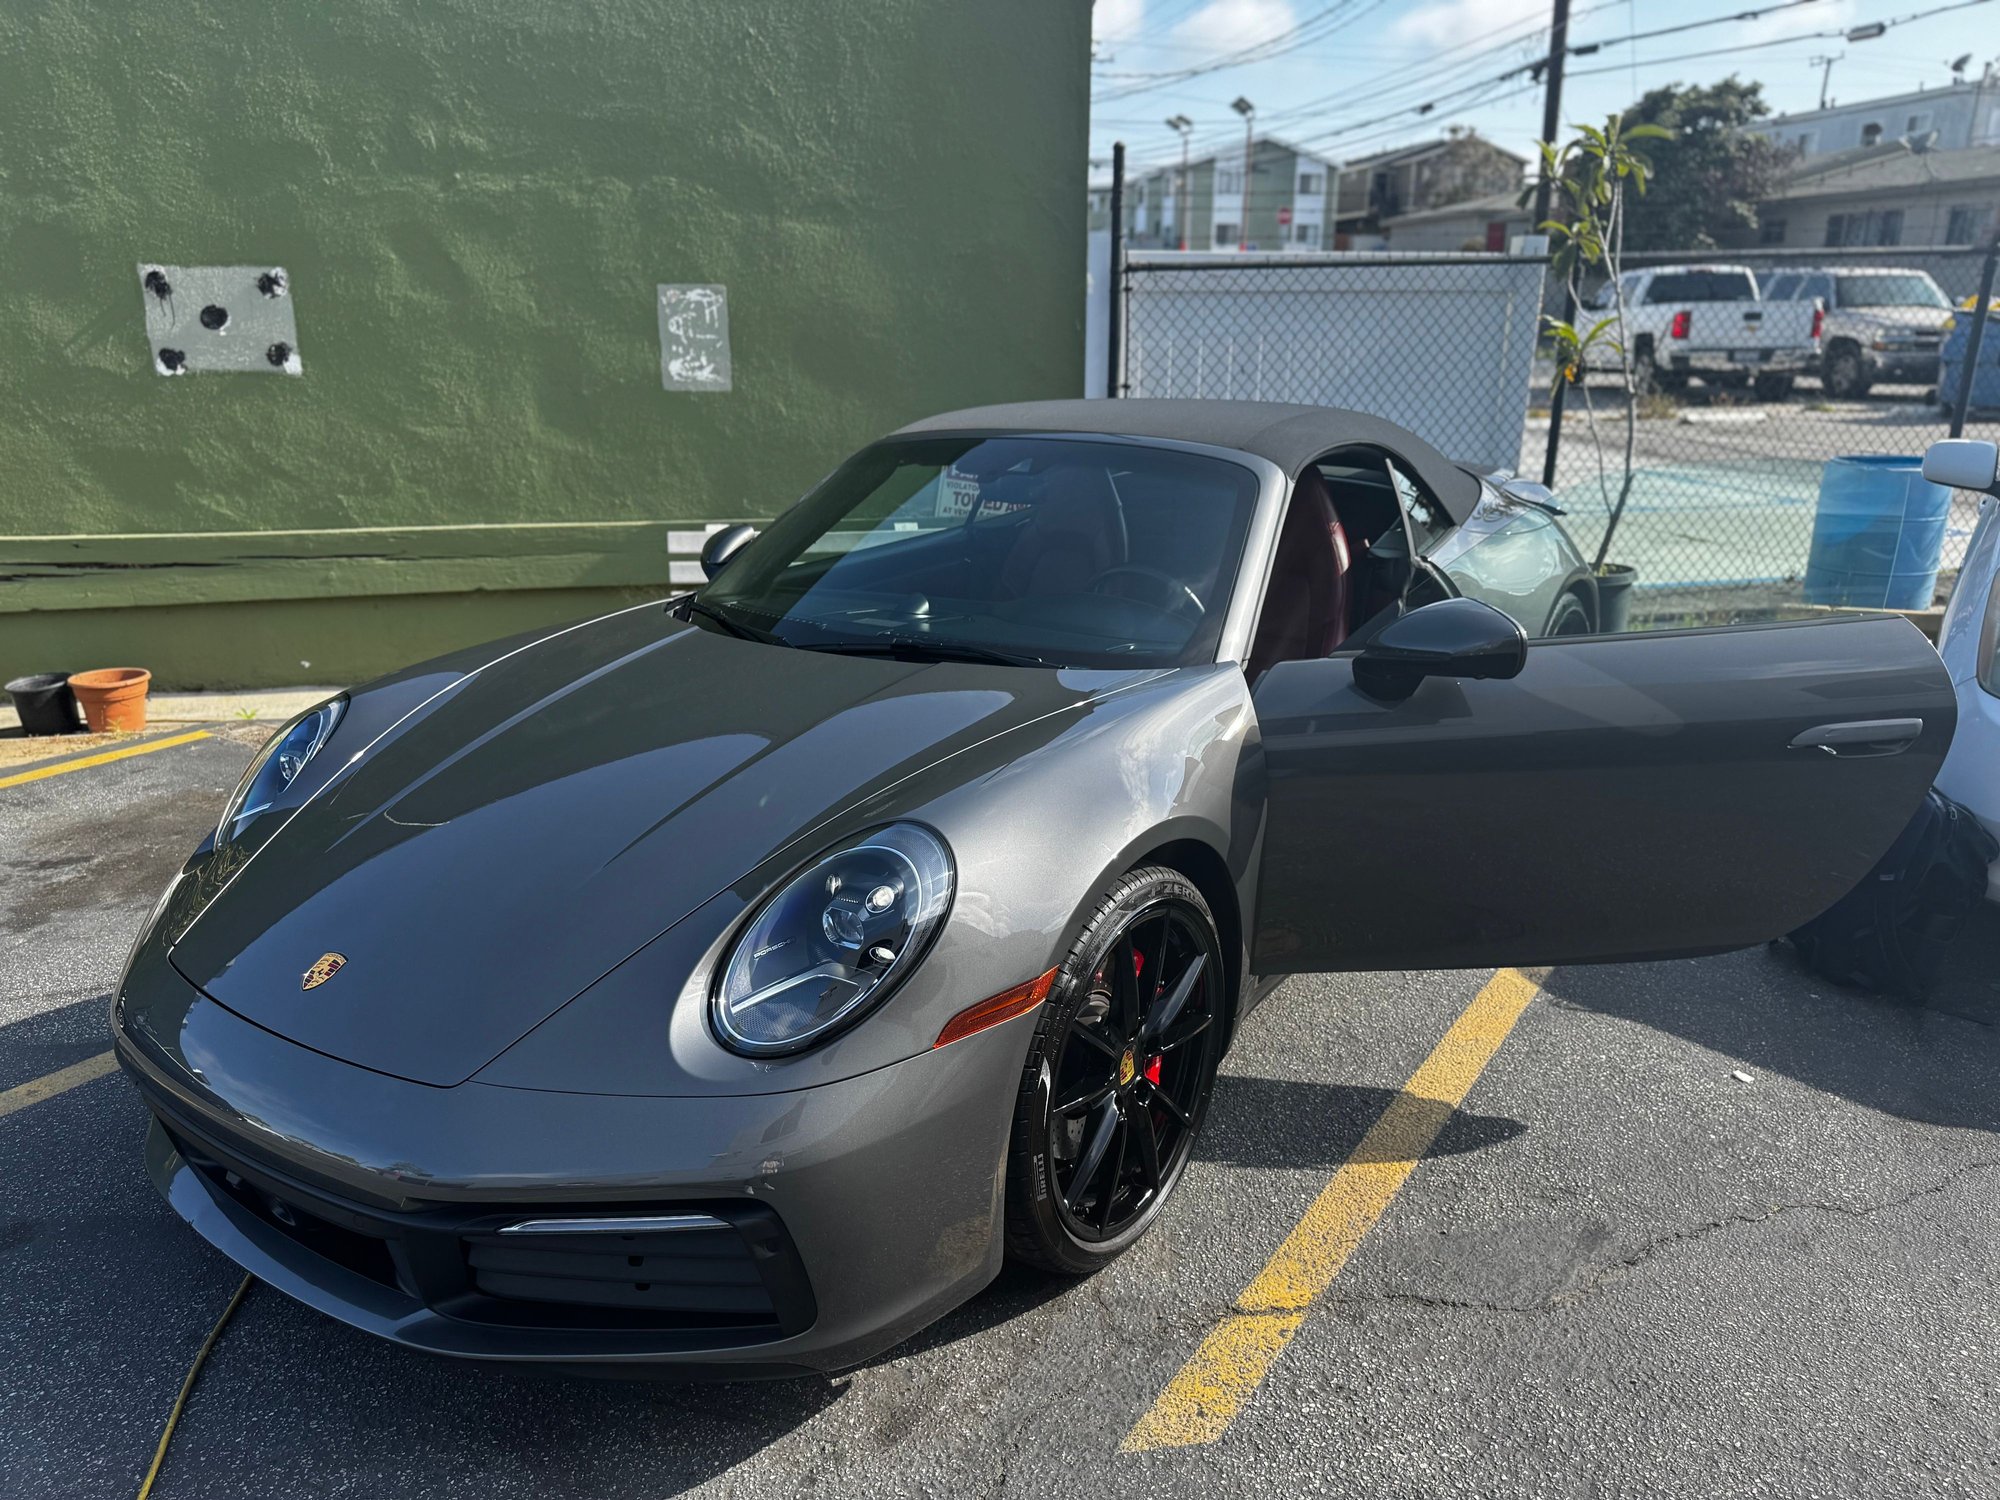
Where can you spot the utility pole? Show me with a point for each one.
(1182, 126)
(1825, 65)
(1114, 295)
(1248, 110)
(1544, 191)
(1552, 98)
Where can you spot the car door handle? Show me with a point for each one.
(1861, 738)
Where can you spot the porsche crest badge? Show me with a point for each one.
(324, 968)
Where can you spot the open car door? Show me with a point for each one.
(1620, 797)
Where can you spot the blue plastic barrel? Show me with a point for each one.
(1878, 536)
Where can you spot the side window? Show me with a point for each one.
(1820, 287)
(1782, 288)
(1428, 522)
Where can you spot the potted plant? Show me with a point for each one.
(1590, 176)
(44, 703)
(113, 698)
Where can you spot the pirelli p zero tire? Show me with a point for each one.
(1118, 1076)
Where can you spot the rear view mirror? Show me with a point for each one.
(1964, 464)
(1452, 638)
(723, 545)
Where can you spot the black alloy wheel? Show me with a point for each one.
(1119, 1076)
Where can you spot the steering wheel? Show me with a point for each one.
(1170, 594)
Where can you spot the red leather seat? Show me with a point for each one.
(1306, 604)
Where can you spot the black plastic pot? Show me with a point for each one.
(1614, 597)
(45, 703)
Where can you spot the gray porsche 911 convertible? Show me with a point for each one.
(732, 982)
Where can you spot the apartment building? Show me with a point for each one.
(1282, 205)
(1961, 114)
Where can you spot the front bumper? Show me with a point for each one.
(1903, 366)
(847, 1215)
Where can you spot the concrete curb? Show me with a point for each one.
(260, 706)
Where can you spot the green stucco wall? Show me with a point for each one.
(475, 200)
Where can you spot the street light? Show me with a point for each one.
(1182, 126)
(1248, 110)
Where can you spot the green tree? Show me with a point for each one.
(1590, 175)
(1711, 174)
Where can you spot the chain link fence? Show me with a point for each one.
(1739, 410)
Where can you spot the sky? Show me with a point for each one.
(1362, 67)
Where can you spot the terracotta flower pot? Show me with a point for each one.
(112, 697)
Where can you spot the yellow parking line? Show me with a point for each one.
(85, 762)
(1198, 1404)
(35, 1090)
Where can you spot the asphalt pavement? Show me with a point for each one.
(1619, 1269)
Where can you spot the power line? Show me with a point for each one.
(1586, 49)
(1387, 85)
(1797, 36)
(1321, 24)
(1527, 30)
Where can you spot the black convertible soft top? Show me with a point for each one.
(1289, 436)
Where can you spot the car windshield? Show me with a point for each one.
(1914, 290)
(1033, 550)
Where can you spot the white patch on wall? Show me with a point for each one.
(221, 319)
(694, 338)
(212, 319)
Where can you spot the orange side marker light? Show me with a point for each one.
(1002, 1007)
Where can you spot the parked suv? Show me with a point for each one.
(1883, 324)
(1708, 321)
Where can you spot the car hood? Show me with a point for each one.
(549, 815)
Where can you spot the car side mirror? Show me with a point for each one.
(1451, 638)
(723, 545)
(1964, 464)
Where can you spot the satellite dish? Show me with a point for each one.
(1958, 64)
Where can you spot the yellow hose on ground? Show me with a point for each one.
(187, 1385)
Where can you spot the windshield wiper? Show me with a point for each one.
(694, 606)
(913, 648)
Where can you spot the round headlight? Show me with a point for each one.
(277, 766)
(833, 941)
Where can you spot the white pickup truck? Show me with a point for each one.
(1708, 321)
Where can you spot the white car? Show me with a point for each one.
(1971, 772)
(1711, 323)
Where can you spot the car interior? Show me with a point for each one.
(1078, 553)
(1044, 548)
(1343, 567)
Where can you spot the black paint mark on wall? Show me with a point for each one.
(162, 291)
